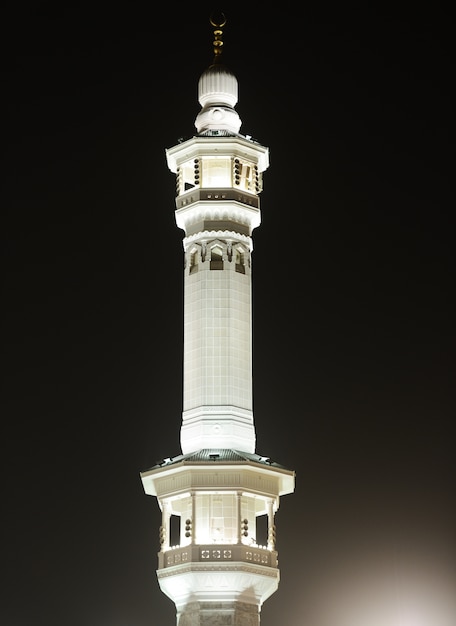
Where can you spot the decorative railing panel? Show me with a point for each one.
(219, 553)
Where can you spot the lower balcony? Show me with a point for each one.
(217, 553)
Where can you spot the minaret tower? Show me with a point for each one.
(218, 559)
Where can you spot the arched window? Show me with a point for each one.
(216, 258)
(194, 260)
(240, 261)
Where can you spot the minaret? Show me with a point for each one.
(218, 559)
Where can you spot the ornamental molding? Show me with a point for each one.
(239, 146)
(208, 235)
(218, 209)
(249, 479)
(215, 567)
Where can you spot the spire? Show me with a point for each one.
(218, 92)
(218, 22)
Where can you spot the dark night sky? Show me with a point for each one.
(353, 292)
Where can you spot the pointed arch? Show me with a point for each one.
(216, 258)
(239, 259)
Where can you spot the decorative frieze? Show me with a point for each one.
(186, 479)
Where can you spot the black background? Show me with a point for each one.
(353, 285)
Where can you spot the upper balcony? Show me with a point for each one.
(216, 195)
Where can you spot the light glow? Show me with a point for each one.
(418, 591)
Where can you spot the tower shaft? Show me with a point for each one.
(218, 179)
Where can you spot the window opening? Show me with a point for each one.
(216, 258)
(262, 530)
(240, 262)
(194, 259)
(174, 530)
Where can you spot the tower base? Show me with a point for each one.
(219, 614)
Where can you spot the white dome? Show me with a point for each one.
(218, 94)
(217, 85)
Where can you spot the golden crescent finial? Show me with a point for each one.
(218, 24)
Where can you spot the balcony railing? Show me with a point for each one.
(211, 195)
(217, 553)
